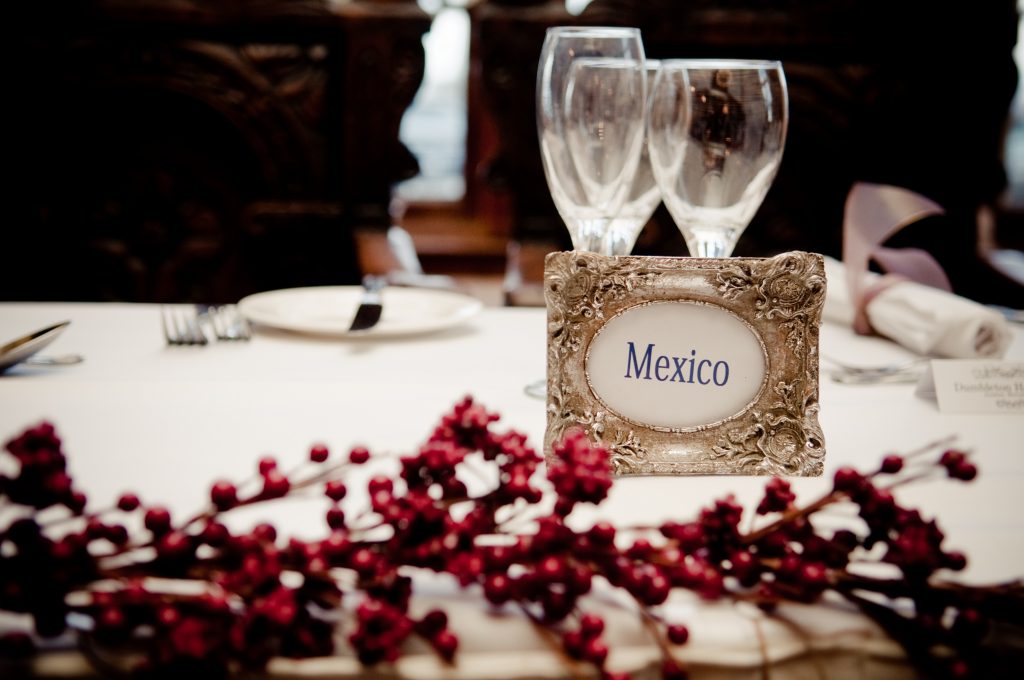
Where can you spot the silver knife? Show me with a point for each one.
(370, 306)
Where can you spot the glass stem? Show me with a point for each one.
(615, 243)
(589, 235)
(709, 247)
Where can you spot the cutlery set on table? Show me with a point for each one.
(417, 304)
(198, 324)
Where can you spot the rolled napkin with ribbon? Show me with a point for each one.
(927, 320)
(913, 302)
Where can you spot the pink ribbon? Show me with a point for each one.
(873, 213)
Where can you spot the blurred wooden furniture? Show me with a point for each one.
(201, 149)
(911, 93)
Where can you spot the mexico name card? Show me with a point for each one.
(687, 365)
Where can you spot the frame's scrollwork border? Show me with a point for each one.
(780, 298)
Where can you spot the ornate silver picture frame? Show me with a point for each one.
(686, 365)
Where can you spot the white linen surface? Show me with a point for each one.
(168, 421)
(927, 320)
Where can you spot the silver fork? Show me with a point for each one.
(226, 321)
(181, 326)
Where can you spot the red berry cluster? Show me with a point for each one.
(579, 472)
(42, 480)
(263, 595)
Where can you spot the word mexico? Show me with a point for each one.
(667, 368)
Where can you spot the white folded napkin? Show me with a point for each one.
(926, 320)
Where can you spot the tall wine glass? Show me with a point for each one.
(591, 101)
(591, 94)
(716, 134)
(643, 196)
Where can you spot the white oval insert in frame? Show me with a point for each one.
(676, 364)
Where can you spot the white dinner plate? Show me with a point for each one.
(16, 351)
(328, 310)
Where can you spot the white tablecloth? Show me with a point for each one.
(166, 421)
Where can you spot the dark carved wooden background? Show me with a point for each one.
(910, 93)
(172, 150)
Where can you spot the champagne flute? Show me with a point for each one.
(591, 105)
(643, 196)
(716, 134)
(591, 94)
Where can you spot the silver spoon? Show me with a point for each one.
(22, 349)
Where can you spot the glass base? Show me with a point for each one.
(538, 389)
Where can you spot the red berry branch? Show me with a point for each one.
(253, 595)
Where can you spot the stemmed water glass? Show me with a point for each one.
(591, 95)
(716, 132)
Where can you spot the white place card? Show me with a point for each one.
(979, 385)
(687, 365)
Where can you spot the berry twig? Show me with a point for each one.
(238, 599)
